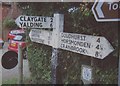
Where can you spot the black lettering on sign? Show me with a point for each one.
(21, 18)
(24, 25)
(32, 18)
(28, 19)
(97, 54)
(62, 45)
(30, 25)
(98, 40)
(51, 19)
(41, 19)
(35, 35)
(35, 19)
(45, 19)
(99, 47)
(51, 25)
(21, 24)
(83, 38)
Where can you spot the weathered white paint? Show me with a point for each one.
(41, 36)
(59, 24)
(35, 22)
(95, 46)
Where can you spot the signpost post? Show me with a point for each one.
(59, 21)
(106, 10)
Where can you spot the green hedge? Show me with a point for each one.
(69, 68)
(39, 64)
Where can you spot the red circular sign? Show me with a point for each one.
(9, 60)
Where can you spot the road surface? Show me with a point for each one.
(13, 73)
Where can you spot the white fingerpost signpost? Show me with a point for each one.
(94, 46)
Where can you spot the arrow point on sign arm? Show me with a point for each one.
(30, 35)
(17, 22)
(107, 49)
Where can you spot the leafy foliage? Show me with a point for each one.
(39, 65)
(106, 77)
(9, 23)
